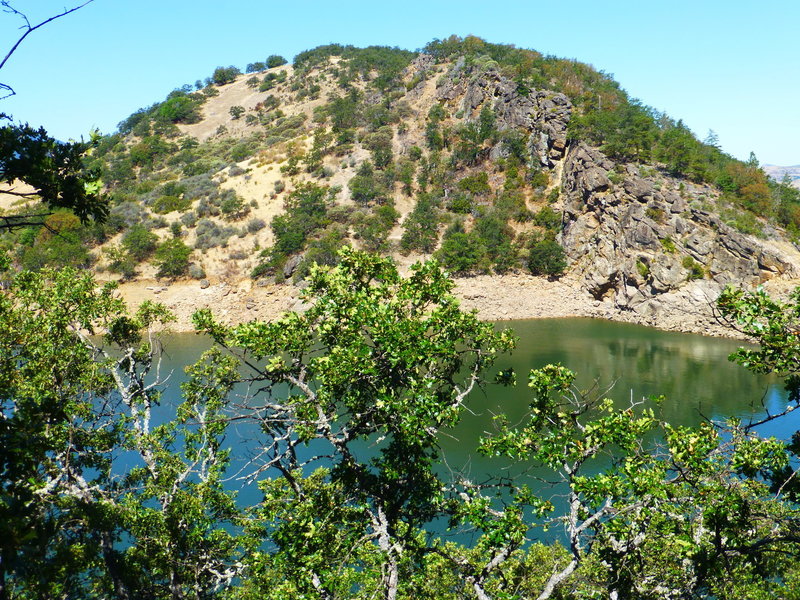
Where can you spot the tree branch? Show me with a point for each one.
(27, 30)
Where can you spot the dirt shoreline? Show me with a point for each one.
(496, 298)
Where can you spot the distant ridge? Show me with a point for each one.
(777, 173)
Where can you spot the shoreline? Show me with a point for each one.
(496, 298)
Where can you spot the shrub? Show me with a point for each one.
(476, 184)
(255, 67)
(126, 215)
(196, 271)
(139, 242)
(275, 60)
(668, 245)
(547, 257)
(236, 111)
(461, 253)
(172, 258)
(254, 225)
(189, 219)
(655, 213)
(232, 206)
(210, 234)
(696, 270)
(548, 218)
(224, 75)
(168, 204)
(180, 109)
(120, 261)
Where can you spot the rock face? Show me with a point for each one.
(638, 241)
(543, 114)
(635, 242)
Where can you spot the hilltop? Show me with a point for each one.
(536, 180)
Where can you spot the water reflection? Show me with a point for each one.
(692, 371)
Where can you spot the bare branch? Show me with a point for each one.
(27, 29)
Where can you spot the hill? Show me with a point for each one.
(778, 173)
(525, 175)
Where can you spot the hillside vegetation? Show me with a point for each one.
(262, 173)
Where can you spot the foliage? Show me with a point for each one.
(375, 358)
(210, 234)
(346, 403)
(306, 211)
(172, 258)
(380, 65)
(462, 253)
(255, 67)
(696, 270)
(139, 242)
(547, 257)
(275, 60)
(62, 242)
(167, 204)
(225, 75)
(548, 218)
(421, 227)
(180, 109)
(54, 171)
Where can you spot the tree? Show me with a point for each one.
(99, 500)
(225, 75)
(172, 258)
(547, 257)
(139, 242)
(255, 67)
(103, 497)
(36, 167)
(376, 359)
(275, 60)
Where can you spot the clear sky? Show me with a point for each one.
(730, 66)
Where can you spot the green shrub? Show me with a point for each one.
(139, 242)
(548, 218)
(120, 261)
(168, 204)
(547, 257)
(275, 60)
(172, 258)
(421, 227)
(180, 109)
(460, 203)
(643, 268)
(668, 245)
(236, 111)
(476, 184)
(224, 75)
(696, 270)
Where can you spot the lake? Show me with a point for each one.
(693, 373)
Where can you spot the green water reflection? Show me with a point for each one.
(692, 371)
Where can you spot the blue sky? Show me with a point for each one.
(729, 66)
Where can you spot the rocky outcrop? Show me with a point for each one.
(543, 114)
(636, 243)
(640, 243)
